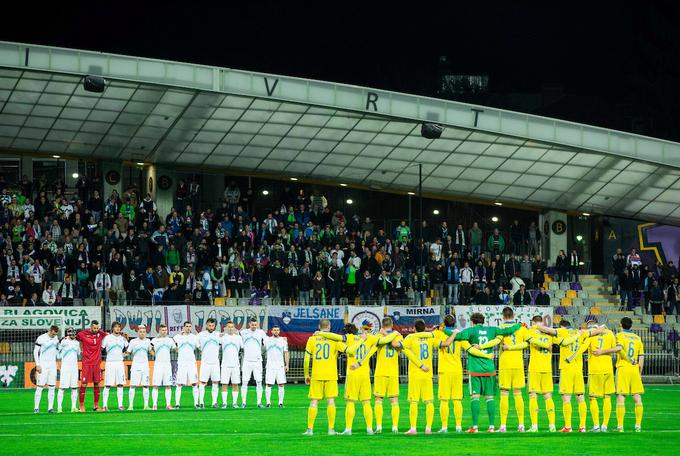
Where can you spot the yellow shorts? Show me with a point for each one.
(323, 389)
(571, 381)
(386, 386)
(628, 380)
(358, 388)
(511, 378)
(540, 382)
(420, 389)
(450, 386)
(601, 384)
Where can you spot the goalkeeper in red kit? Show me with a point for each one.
(91, 348)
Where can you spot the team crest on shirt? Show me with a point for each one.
(369, 317)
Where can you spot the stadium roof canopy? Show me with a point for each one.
(201, 117)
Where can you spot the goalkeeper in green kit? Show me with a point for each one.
(482, 370)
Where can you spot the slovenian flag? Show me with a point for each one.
(298, 323)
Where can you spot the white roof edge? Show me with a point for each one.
(342, 97)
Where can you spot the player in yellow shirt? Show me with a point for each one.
(420, 351)
(386, 377)
(450, 374)
(630, 360)
(600, 375)
(540, 373)
(511, 366)
(571, 370)
(358, 381)
(323, 383)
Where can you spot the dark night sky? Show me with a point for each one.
(593, 49)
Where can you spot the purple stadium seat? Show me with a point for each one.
(561, 310)
(576, 286)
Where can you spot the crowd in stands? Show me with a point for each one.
(657, 285)
(61, 249)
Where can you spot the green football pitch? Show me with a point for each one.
(278, 431)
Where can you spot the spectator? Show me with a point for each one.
(562, 267)
(319, 286)
(102, 287)
(33, 302)
(538, 271)
(516, 283)
(66, 292)
(232, 195)
(522, 297)
(542, 298)
(626, 290)
(656, 298)
(672, 298)
(502, 297)
(526, 270)
(574, 265)
(516, 237)
(452, 277)
(49, 297)
(533, 239)
(483, 297)
(475, 239)
(466, 280)
(618, 265)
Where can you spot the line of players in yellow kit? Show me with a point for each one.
(323, 348)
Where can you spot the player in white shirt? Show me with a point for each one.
(45, 356)
(277, 364)
(162, 368)
(252, 360)
(187, 373)
(114, 369)
(209, 344)
(232, 344)
(69, 349)
(139, 348)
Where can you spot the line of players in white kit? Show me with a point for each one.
(209, 342)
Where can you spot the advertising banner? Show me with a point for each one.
(298, 323)
(404, 317)
(493, 315)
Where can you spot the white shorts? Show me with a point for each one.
(253, 368)
(275, 375)
(69, 378)
(162, 374)
(139, 375)
(230, 374)
(48, 376)
(187, 374)
(114, 373)
(209, 372)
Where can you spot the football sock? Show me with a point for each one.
(97, 392)
(331, 416)
(201, 393)
(444, 413)
(606, 411)
(168, 396)
(119, 394)
(131, 396)
(60, 398)
(311, 416)
(178, 395)
(349, 415)
(395, 415)
(50, 398)
(282, 393)
(638, 415)
(81, 394)
(595, 412)
(491, 410)
(145, 396)
(368, 415)
(38, 395)
(378, 413)
(519, 408)
(458, 412)
(429, 414)
(505, 408)
(566, 412)
(258, 390)
(225, 396)
(474, 409)
(620, 414)
(533, 410)
(234, 396)
(154, 397)
(244, 393)
(582, 414)
(74, 397)
(550, 408)
(106, 396)
(215, 392)
(268, 394)
(413, 414)
(194, 391)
